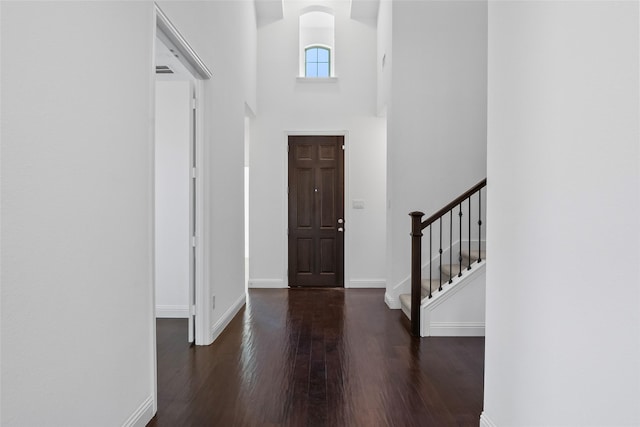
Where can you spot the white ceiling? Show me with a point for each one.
(316, 20)
(268, 11)
(365, 9)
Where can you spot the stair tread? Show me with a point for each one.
(446, 269)
(451, 269)
(405, 299)
(474, 254)
(435, 285)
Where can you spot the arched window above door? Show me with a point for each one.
(317, 50)
(317, 60)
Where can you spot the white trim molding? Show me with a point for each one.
(225, 319)
(142, 415)
(332, 79)
(172, 311)
(457, 329)
(392, 301)
(367, 283)
(169, 34)
(267, 284)
(485, 421)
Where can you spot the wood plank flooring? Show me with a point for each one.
(317, 357)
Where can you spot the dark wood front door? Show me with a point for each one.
(316, 211)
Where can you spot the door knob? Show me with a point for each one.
(341, 229)
(340, 220)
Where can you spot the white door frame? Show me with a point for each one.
(164, 30)
(170, 36)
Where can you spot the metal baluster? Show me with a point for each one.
(469, 266)
(450, 244)
(460, 238)
(430, 258)
(440, 252)
(479, 225)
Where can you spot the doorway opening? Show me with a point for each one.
(178, 164)
(316, 221)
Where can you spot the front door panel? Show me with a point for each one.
(316, 211)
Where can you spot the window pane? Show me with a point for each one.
(312, 70)
(312, 55)
(323, 55)
(323, 70)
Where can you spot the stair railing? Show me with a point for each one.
(417, 225)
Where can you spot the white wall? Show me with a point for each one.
(223, 33)
(563, 325)
(288, 105)
(77, 210)
(384, 53)
(173, 173)
(460, 311)
(436, 118)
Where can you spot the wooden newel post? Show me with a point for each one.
(416, 271)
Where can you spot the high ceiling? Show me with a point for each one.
(268, 11)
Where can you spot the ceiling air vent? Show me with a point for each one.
(163, 69)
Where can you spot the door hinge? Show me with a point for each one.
(193, 172)
(194, 241)
(342, 147)
(192, 310)
(194, 103)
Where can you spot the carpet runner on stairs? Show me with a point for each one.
(446, 271)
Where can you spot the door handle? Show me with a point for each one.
(340, 220)
(341, 229)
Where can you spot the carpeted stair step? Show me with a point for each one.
(473, 255)
(450, 270)
(405, 299)
(453, 269)
(435, 285)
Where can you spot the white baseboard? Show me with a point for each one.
(391, 301)
(218, 327)
(485, 421)
(267, 283)
(142, 415)
(172, 311)
(367, 283)
(457, 329)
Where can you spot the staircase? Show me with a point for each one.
(450, 300)
(455, 289)
(447, 272)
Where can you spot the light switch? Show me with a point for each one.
(358, 204)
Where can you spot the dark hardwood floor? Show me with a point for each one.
(317, 357)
